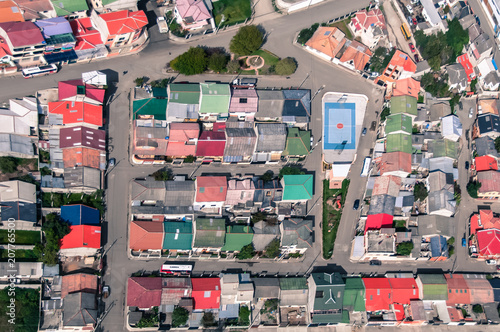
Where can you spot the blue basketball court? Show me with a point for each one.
(340, 126)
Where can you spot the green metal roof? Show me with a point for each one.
(434, 286)
(298, 142)
(354, 295)
(404, 104)
(184, 93)
(329, 296)
(214, 98)
(298, 187)
(64, 38)
(444, 148)
(237, 236)
(160, 92)
(151, 106)
(293, 283)
(210, 233)
(398, 143)
(398, 122)
(178, 235)
(67, 7)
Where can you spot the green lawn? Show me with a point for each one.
(57, 200)
(235, 11)
(22, 255)
(22, 237)
(342, 25)
(269, 58)
(331, 217)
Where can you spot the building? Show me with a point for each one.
(326, 42)
(79, 311)
(297, 235)
(150, 145)
(266, 288)
(267, 194)
(395, 163)
(451, 127)
(490, 185)
(194, 14)
(404, 290)
(237, 236)
(387, 185)
(271, 142)
(487, 125)
(264, 233)
(17, 146)
(18, 201)
(401, 66)
(211, 143)
(79, 282)
(485, 146)
(378, 221)
(146, 236)
(80, 214)
(178, 235)
(78, 90)
(209, 235)
(270, 105)
(398, 124)
(182, 139)
(403, 87)
(370, 26)
(183, 102)
(458, 291)
(71, 114)
(21, 118)
(214, 100)
(113, 5)
(432, 287)
(297, 187)
(239, 192)
(326, 295)
(36, 9)
(294, 298)
(206, 293)
(70, 9)
(297, 108)
(244, 103)
(355, 55)
(173, 290)
(480, 46)
(457, 77)
(480, 289)
(60, 42)
(354, 299)
(25, 42)
(240, 143)
(469, 68)
(378, 294)
(297, 143)
(144, 292)
(82, 240)
(89, 44)
(488, 243)
(431, 15)
(382, 204)
(210, 194)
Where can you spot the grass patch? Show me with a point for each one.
(57, 200)
(342, 25)
(22, 255)
(269, 58)
(22, 237)
(331, 217)
(235, 11)
(248, 72)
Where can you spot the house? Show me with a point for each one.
(486, 67)
(84, 156)
(404, 290)
(209, 235)
(21, 270)
(183, 102)
(266, 288)
(264, 233)
(36, 9)
(370, 26)
(354, 299)
(237, 236)
(403, 87)
(326, 295)
(82, 240)
(490, 185)
(25, 42)
(212, 143)
(271, 142)
(229, 291)
(80, 214)
(60, 42)
(71, 9)
(244, 104)
(294, 294)
(18, 201)
(144, 292)
(77, 90)
(79, 311)
(480, 46)
(485, 163)
(451, 127)
(378, 221)
(149, 144)
(240, 143)
(442, 203)
(270, 105)
(355, 55)
(113, 5)
(432, 17)
(121, 31)
(432, 287)
(438, 248)
(21, 118)
(210, 194)
(182, 139)
(267, 194)
(485, 146)
(491, 81)
(395, 163)
(297, 143)
(174, 289)
(443, 148)
(150, 110)
(404, 104)
(89, 44)
(398, 124)
(457, 77)
(78, 179)
(458, 290)
(297, 235)
(480, 289)
(382, 204)
(71, 114)
(17, 146)
(239, 192)
(146, 235)
(495, 285)
(484, 220)
(439, 180)
(387, 185)
(326, 42)
(297, 108)
(79, 282)
(177, 235)
(82, 137)
(214, 99)
(194, 14)
(378, 294)
(398, 143)
(469, 68)
(206, 293)
(401, 66)
(488, 243)
(488, 125)
(297, 187)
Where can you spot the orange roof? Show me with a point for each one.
(82, 156)
(395, 161)
(358, 54)
(80, 282)
(406, 87)
(10, 12)
(146, 235)
(485, 163)
(327, 40)
(124, 21)
(400, 62)
(211, 188)
(183, 131)
(82, 236)
(489, 106)
(180, 149)
(77, 112)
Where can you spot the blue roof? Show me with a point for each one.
(54, 26)
(80, 215)
(439, 246)
(340, 126)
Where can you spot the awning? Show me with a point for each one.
(60, 57)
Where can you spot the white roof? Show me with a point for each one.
(340, 170)
(94, 78)
(485, 67)
(359, 247)
(451, 127)
(431, 11)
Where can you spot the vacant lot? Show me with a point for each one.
(235, 11)
(22, 237)
(331, 217)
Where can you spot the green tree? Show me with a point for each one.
(163, 174)
(472, 188)
(456, 36)
(404, 248)
(180, 316)
(306, 34)
(233, 66)
(208, 319)
(497, 143)
(273, 249)
(286, 66)
(385, 113)
(267, 176)
(149, 320)
(247, 40)
(54, 230)
(139, 81)
(451, 241)
(244, 316)
(290, 170)
(217, 62)
(246, 252)
(8, 164)
(192, 62)
(477, 308)
(26, 309)
(420, 191)
(45, 171)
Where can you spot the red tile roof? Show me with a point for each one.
(80, 282)
(387, 185)
(183, 131)
(206, 293)
(83, 156)
(480, 289)
(144, 292)
(458, 291)
(211, 144)
(180, 149)
(77, 112)
(358, 54)
(399, 62)
(395, 161)
(68, 89)
(82, 236)
(403, 290)
(364, 19)
(485, 163)
(378, 294)
(488, 242)
(484, 220)
(378, 221)
(490, 181)
(211, 188)
(146, 235)
(327, 40)
(124, 21)
(82, 136)
(406, 87)
(22, 33)
(87, 37)
(469, 69)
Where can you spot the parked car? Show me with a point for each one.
(375, 262)
(312, 140)
(464, 242)
(460, 105)
(355, 206)
(363, 133)
(112, 162)
(471, 112)
(417, 59)
(374, 74)
(466, 165)
(410, 9)
(162, 24)
(412, 48)
(105, 291)
(491, 262)
(373, 126)
(415, 21)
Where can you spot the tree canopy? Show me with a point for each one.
(286, 66)
(192, 62)
(404, 248)
(247, 40)
(180, 316)
(273, 249)
(497, 144)
(420, 191)
(233, 66)
(472, 188)
(26, 309)
(217, 62)
(290, 170)
(306, 34)
(54, 230)
(246, 252)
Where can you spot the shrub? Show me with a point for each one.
(246, 252)
(208, 319)
(404, 248)
(306, 34)
(420, 191)
(273, 249)
(139, 81)
(267, 176)
(192, 62)
(286, 66)
(217, 62)
(163, 174)
(477, 308)
(244, 316)
(247, 40)
(472, 188)
(233, 66)
(180, 317)
(8, 164)
(385, 113)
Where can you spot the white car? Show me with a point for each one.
(491, 262)
(471, 112)
(410, 9)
